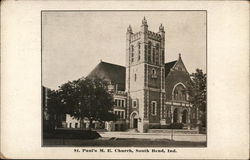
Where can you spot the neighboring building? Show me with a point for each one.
(148, 92)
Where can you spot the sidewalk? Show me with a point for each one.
(152, 136)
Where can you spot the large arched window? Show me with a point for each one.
(179, 92)
(153, 55)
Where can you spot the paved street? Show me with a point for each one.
(131, 139)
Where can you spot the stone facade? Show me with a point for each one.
(144, 70)
(148, 92)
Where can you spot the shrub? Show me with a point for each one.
(164, 127)
(176, 126)
(154, 126)
(72, 134)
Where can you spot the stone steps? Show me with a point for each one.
(132, 130)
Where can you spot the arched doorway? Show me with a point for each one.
(175, 115)
(134, 120)
(184, 116)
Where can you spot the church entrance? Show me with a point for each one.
(134, 120)
(175, 115)
(135, 123)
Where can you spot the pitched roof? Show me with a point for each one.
(115, 73)
(168, 66)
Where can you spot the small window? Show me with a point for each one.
(135, 77)
(76, 125)
(154, 73)
(123, 114)
(154, 106)
(119, 103)
(134, 103)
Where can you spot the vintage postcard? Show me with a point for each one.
(144, 59)
(134, 80)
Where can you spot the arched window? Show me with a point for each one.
(154, 107)
(132, 53)
(162, 57)
(149, 51)
(157, 54)
(139, 51)
(179, 92)
(154, 75)
(153, 55)
(153, 71)
(135, 77)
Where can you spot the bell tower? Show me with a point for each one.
(145, 76)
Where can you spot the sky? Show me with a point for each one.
(73, 43)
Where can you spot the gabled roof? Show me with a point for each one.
(115, 73)
(168, 67)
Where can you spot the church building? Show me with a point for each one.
(148, 92)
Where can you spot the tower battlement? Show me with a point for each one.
(136, 36)
(154, 36)
(150, 35)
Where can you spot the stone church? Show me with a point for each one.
(148, 92)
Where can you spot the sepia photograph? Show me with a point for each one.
(124, 78)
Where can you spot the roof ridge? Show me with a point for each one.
(171, 61)
(112, 64)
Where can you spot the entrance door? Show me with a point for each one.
(134, 120)
(135, 123)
